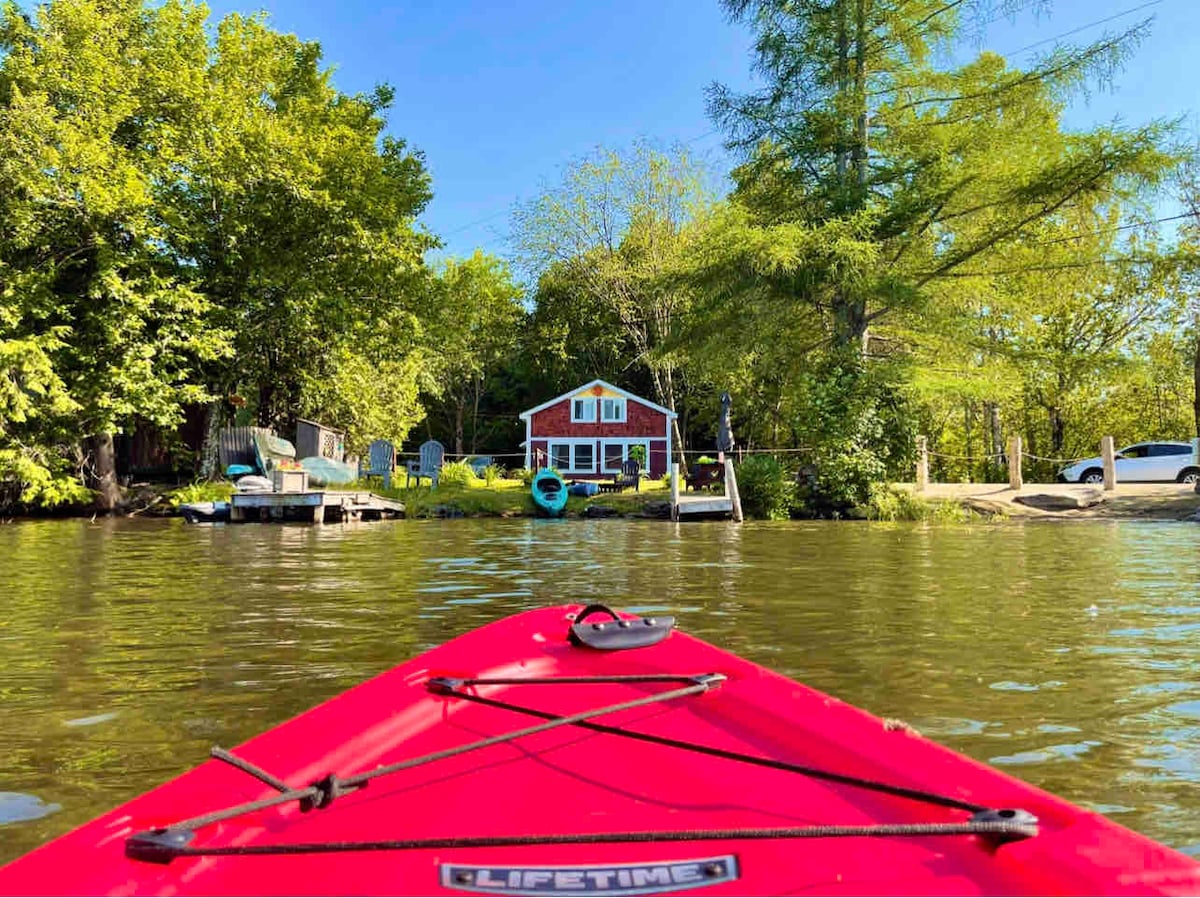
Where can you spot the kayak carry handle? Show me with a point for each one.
(619, 633)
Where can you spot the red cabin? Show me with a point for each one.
(587, 433)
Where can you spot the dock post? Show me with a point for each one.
(674, 491)
(922, 464)
(1014, 463)
(731, 490)
(1108, 454)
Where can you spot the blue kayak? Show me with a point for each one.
(549, 492)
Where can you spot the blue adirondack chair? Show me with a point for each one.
(381, 461)
(429, 465)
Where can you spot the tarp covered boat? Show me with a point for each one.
(566, 751)
(549, 492)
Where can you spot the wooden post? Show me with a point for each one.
(674, 491)
(731, 490)
(1014, 463)
(922, 464)
(1108, 454)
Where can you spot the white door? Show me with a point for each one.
(1135, 463)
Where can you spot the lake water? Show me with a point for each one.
(1065, 653)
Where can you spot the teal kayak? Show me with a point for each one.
(549, 492)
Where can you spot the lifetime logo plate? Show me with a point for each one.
(602, 879)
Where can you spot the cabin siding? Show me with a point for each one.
(585, 444)
(639, 422)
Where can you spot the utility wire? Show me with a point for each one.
(1056, 37)
(1112, 230)
(495, 215)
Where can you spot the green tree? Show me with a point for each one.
(613, 232)
(479, 314)
(873, 174)
(90, 109)
(182, 218)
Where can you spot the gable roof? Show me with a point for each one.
(528, 413)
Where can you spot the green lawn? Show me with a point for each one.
(508, 498)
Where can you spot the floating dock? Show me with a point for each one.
(315, 506)
(728, 503)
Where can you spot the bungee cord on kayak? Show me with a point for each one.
(757, 785)
(164, 844)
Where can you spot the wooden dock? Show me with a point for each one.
(728, 503)
(315, 506)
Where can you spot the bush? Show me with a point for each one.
(860, 427)
(492, 473)
(525, 475)
(457, 473)
(201, 491)
(766, 488)
(889, 503)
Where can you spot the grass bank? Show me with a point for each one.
(509, 499)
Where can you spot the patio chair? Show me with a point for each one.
(381, 461)
(429, 465)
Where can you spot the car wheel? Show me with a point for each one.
(1188, 475)
(1092, 475)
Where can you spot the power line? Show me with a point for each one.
(1112, 230)
(495, 215)
(1056, 37)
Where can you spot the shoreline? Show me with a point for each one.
(993, 502)
(1128, 502)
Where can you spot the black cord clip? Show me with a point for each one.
(1015, 824)
(157, 846)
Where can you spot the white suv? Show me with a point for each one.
(1141, 461)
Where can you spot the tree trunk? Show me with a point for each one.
(850, 326)
(459, 413)
(1196, 373)
(849, 322)
(103, 477)
(843, 79)
(210, 451)
(970, 446)
(1058, 430)
(664, 392)
(475, 416)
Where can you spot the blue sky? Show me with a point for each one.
(500, 96)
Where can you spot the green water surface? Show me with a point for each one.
(1067, 654)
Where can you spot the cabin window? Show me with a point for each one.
(583, 411)
(584, 457)
(614, 454)
(612, 410)
(560, 456)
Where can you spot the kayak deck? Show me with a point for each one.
(569, 781)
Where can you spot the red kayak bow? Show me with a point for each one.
(568, 751)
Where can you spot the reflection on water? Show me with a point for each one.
(1065, 654)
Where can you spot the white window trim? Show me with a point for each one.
(598, 451)
(594, 406)
(625, 444)
(624, 409)
(572, 443)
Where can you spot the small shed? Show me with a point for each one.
(587, 433)
(317, 440)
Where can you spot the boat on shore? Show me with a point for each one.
(572, 749)
(549, 492)
(205, 512)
